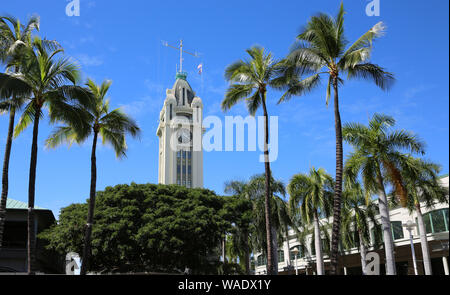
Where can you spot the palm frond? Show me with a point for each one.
(234, 94)
(299, 88)
(60, 136)
(116, 140)
(118, 121)
(365, 41)
(373, 72)
(14, 85)
(26, 118)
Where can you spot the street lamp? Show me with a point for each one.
(295, 252)
(409, 227)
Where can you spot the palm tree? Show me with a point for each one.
(377, 156)
(47, 82)
(254, 191)
(322, 50)
(280, 218)
(358, 213)
(422, 182)
(112, 126)
(249, 80)
(240, 235)
(310, 196)
(12, 36)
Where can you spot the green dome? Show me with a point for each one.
(181, 75)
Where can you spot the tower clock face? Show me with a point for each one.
(184, 136)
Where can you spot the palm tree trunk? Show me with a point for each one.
(275, 249)
(338, 186)
(246, 255)
(424, 241)
(362, 249)
(288, 246)
(31, 238)
(386, 227)
(4, 197)
(270, 264)
(318, 246)
(87, 238)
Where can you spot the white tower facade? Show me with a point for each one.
(180, 133)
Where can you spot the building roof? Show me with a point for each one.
(182, 83)
(14, 204)
(443, 176)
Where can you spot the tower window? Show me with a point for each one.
(170, 115)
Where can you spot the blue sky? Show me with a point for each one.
(121, 41)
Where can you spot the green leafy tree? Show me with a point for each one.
(249, 81)
(423, 185)
(48, 82)
(322, 50)
(311, 197)
(377, 156)
(97, 119)
(12, 36)
(146, 228)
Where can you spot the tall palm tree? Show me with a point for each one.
(358, 214)
(322, 50)
(250, 79)
(12, 35)
(311, 195)
(423, 185)
(98, 120)
(47, 82)
(377, 156)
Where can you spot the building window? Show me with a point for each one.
(179, 168)
(436, 221)
(261, 260)
(280, 256)
(396, 228)
(170, 114)
(184, 168)
(189, 169)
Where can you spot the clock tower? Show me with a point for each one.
(180, 136)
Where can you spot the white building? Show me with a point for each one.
(180, 136)
(437, 224)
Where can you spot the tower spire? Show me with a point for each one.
(180, 48)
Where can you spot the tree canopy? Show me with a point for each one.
(147, 227)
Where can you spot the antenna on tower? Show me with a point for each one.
(180, 48)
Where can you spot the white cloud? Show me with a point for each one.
(413, 91)
(89, 61)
